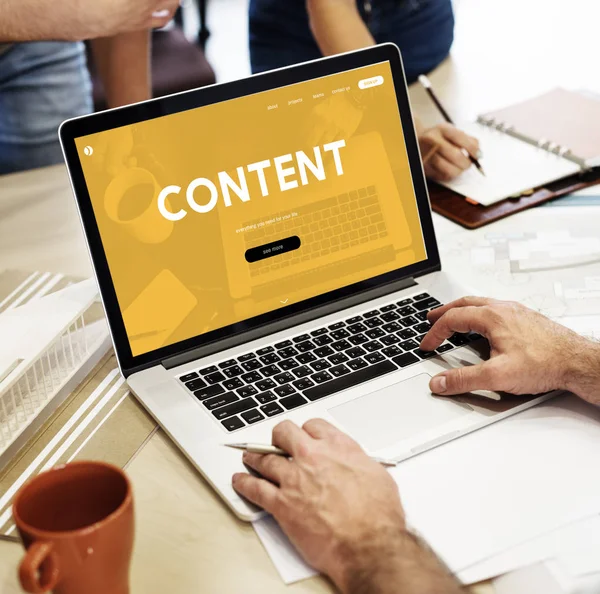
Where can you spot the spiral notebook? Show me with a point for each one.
(531, 144)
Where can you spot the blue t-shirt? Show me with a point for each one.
(280, 33)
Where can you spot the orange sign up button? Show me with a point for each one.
(275, 248)
(367, 83)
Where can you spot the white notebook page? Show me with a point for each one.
(511, 167)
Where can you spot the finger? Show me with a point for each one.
(460, 138)
(466, 379)
(321, 429)
(271, 466)
(436, 314)
(464, 319)
(442, 168)
(162, 17)
(258, 491)
(454, 155)
(289, 437)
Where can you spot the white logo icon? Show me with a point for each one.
(88, 151)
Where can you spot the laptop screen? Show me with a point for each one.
(212, 216)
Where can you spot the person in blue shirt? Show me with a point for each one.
(286, 32)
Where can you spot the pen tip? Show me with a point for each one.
(424, 81)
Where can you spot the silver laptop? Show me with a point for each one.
(265, 251)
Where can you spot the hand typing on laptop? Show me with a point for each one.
(530, 354)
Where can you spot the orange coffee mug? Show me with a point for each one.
(76, 522)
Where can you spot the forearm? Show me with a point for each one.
(123, 62)
(400, 564)
(582, 376)
(34, 20)
(337, 26)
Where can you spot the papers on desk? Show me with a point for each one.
(485, 493)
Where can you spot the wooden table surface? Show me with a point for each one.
(186, 540)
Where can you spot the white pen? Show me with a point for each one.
(258, 448)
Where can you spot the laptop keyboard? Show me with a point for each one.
(275, 379)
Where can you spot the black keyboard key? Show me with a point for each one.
(426, 304)
(406, 311)
(265, 351)
(339, 334)
(324, 351)
(235, 408)
(349, 380)
(405, 359)
(390, 316)
(336, 326)
(215, 378)
(375, 333)
(283, 345)
(458, 339)
(288, 352)
(251, 365)
(233, 423)
(356, 328)
(473, 336)
(188, 377)
(209, 392)
(302, 338)
(233, 371)
(233, 383)
(286, 390)
(390, 339)
(421, 296)
(293, 401)
(320, 364)
(305, 346)
(371, 314)
(354, 320)
(391, 327)
(269, 370)
(252, 416)
(425, 354)
(266, 397)
(221, 400)
(319, 332)
(408, 321)
(322, 376)
(404, 302)
(355, 352)
(356, 364)
(374, 322)
(247, 391)
(406, 334)
(251, 377)
(338, 358)
(208, 370)
(271, 409)
(445, 348)
(323, 340)
(423, 327)
(341, 345)
(306, 358)
(288, 364)
(304, 383)
(421, 315)
(302, 371)
(372, 346)
(284, 378)
(373, 358)
(389, 307)
(409, 345)
(358, 339)
(246, 357)
(227, 363)
(339, 370)
(270, 358)
(195, 384)
(265, 384)
(391, 351)
(420, 338)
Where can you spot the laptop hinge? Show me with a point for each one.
(284, 324)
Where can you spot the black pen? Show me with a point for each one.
(427, 86)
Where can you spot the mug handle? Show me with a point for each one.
(35, 578)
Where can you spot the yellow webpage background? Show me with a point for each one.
(177, 280)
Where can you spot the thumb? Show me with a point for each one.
(463, 379)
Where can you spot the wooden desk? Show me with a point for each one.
(186, 540)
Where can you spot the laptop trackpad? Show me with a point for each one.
(400, 411)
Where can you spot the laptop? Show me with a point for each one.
(265, 251)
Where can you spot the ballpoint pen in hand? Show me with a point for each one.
(257, 448)
(427, 86)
